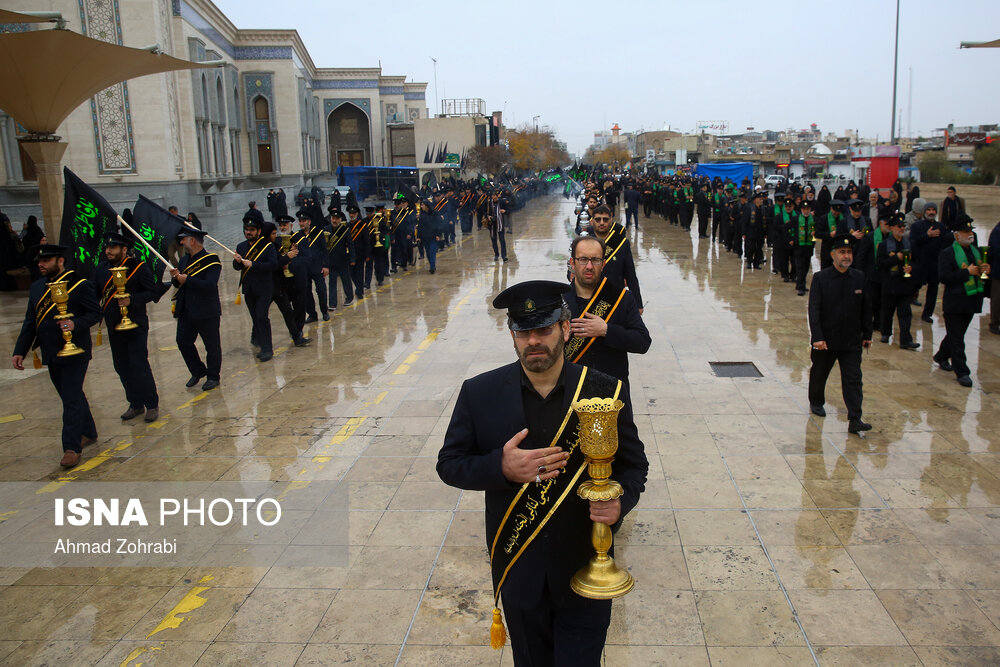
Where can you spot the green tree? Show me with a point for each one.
(987, 161)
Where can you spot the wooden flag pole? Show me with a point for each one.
(151, 248)
(211, 238)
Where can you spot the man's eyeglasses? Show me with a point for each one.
(540, 332)
(589, 260)
(601, 218)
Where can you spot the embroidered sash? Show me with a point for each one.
(603, 304)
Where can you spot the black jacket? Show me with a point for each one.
(927, 248)
(488, 412)
(840, 310)
(198, 297)
(141, 288)
(257, 280)
(890, 266)
(626, 333)
(955, 300)
(621, 267)
(82, 303)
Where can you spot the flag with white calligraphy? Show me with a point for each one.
(159, 227)
(86, 217)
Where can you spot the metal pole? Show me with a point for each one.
(437, 102)
(895, 69)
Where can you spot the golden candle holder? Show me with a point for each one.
(120, 279)
(601, 578)
(906, 261)
(984, 252)
(376, 223)
(286, 245)
(60, 297)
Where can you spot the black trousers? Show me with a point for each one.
(900, 304)
(953, 345)
(319, 280)
(632, 215)
(466, 223)
(875, 290)
(547, 635)
(850, 378)
(344, 273)
(754, 251)
(647, 207)
(130, 357)
(930, 299)
(379, 267)
(803, 260)
(76, 417)
(283, 301)
(502, 250)
(259, 305)
(358, 278)
(188, 330)
(703, 218)
(717, 224)
(779, 258)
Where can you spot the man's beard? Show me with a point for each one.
(541, 364)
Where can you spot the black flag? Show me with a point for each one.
(86, 217)
(159, 227)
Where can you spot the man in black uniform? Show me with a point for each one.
(256, 260)
(840, 325)
(401, 228)
(893, 265)
(312, 266)
(129, 351)
(282, 286)
(197, 308)
(606, 324)
(362, 249)
(340, 259)
(802, 230)
(378, 240)
(704, 202)
(511, 436)
(961, 269)
(752, 227)
(619, 266)
(41, 329)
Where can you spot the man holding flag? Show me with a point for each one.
(256, 259)
(197, 308)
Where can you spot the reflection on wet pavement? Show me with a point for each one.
(766, 536)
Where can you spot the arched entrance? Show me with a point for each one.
(348, 137)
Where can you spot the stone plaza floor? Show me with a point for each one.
(766, 535)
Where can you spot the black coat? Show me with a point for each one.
(621, 267)
(840, 309)
(141, 288)
(927, 248)
(343, 252)
(488, 412)
(955, 300)
(626, 333)
(313, 256)
(257, 280)
(82, 303)
(198, 297)
(890, 266)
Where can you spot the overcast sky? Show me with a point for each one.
(583, 66)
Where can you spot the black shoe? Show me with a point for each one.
(152, 414)
(310, 319)
(265, 356)
(326, 315)
(194, 380)
(943, 363)
(856, 426)
(504, 260)
(132, 413)
(915, 303)
(432, 271)
(496, 259)
(348, 302)
(925, 318)
(965, 381)
(209, 384)
(392, 271)
(994, 329)
(302, 341)
(818, 410)
(331, 309)
(884, 339)
(910, 346)
(786, 280)
(801, 292)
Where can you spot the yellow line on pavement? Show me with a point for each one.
(86, 466)
(11, 418)
(192, 600)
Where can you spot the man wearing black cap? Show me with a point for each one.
(781, 240)
(401, 227)
(362, 249)
(961, 269)
(253, 213)
(802, 231)
(619, 266)
(753, 231)
(828, 228)
(893, 262)
(129, 351)
(606, 323)
(197, 308)
(341, 259)
(256, 260)
(511, 434)
(840, 326)
(311, 267)
(928, 236)
(41, 329)
(378, 239)
(282, 287)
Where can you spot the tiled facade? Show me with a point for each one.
(192, 138)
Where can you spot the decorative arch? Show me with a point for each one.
(348, 132)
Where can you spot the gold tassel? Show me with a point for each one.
(100, 338)
(239, 298)
(36, 362)
(498, 633)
